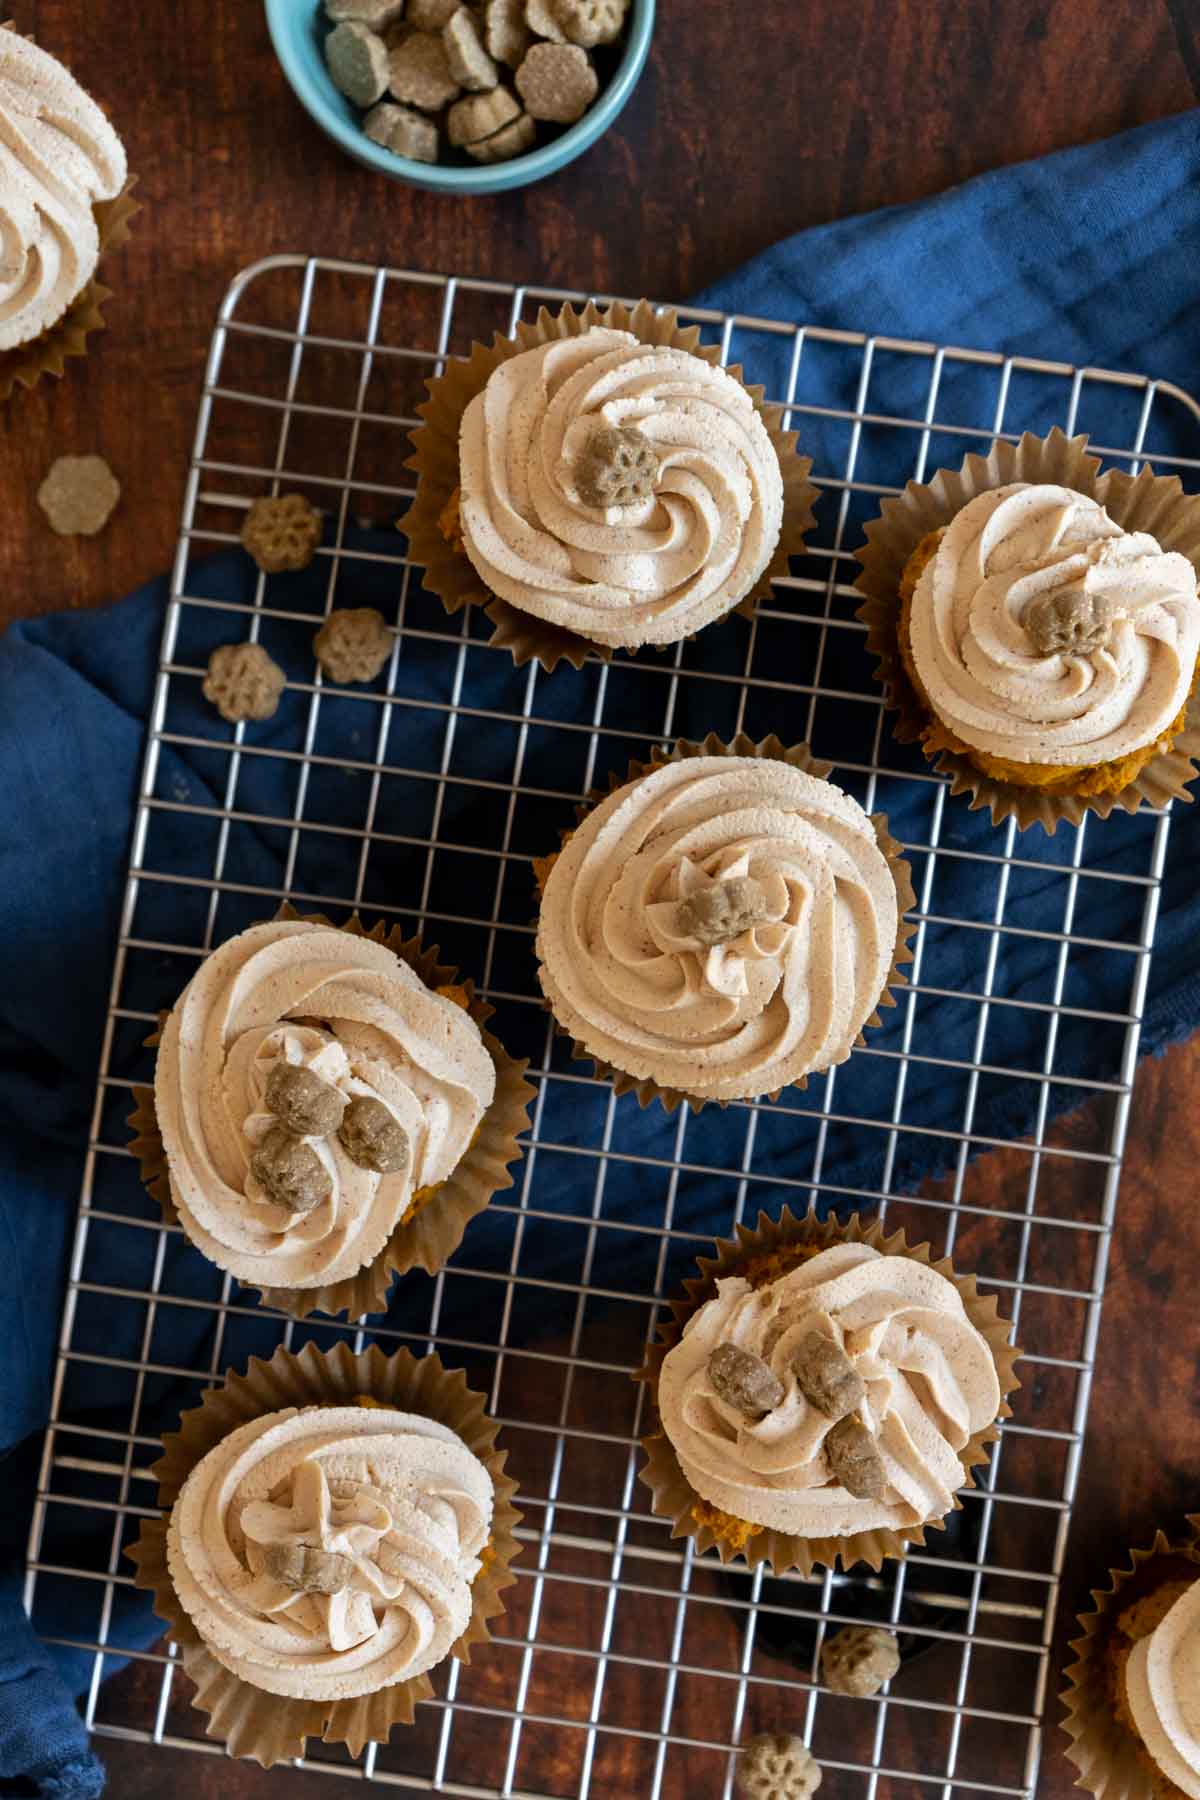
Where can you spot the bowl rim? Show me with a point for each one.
(518, 171)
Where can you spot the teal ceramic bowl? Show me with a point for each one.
(297, 32)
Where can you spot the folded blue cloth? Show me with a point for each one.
(1087, 256)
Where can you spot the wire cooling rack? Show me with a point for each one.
(625, 1665)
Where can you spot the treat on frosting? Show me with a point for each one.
(651, 570)
(929, 1385)
(357, 1019)
(1162, 1686)
(58, 157)
(326, 1552)
(1042, 633)
(638, 980)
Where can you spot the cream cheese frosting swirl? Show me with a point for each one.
(58, 157)
(648, 572)
(394, 1509)
(1162, 1682)
(633, 984)
(992, 678)
(360, 1019)
(930, 1385)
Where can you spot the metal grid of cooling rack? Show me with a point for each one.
(625, 1664)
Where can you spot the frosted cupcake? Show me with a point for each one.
(723, 925)
(327, 1111)
(62, 171)
(601, 482)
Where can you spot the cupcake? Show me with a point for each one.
(62, 180)
(337, 1526)
(600, 482)
(823, 1392)
(723, 925)
(1133, 1703)
(326, 1112)
(1038, 626)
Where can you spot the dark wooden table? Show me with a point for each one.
(748, 124)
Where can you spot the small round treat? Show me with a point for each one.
(557, 82)
(775, 1766)
(303, 1103)
(243, 682)
(590, 22)
(353, 644)
(859, 1659)
(357, 61)
(78, 495)
(372, 1137)
(618, 466)
(288, 1173)
(281, 532)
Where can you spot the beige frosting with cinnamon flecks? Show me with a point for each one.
(1162, 1684)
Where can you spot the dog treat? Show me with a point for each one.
(420, 72)
(858, 1660)
(290, 1171)
(403, 131)
(589, 22)
(557, 83)
(78, 495)
(470, 64)
(301, 1101)
(243, 683)
(1067, 619)
(357, 61)
(775, 1766)
(854, 1459)
(353, 644)
(281, 532)
(539, 16)
(826, 1376)
(617, 466)
(377, 15)
(372, 1137)
(479, 116)
(431, 15)
(718, 914)
(511, 140)
(306, 1569)
(505, 32)
(744, 1381)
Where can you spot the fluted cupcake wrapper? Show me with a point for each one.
(798, 756)
(1145, 502)
(673, 1496)
(429, 1237)
(1112, 1762)
(448, 571)
(270, 1728)
(47, 353)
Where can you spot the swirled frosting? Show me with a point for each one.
(981, 669)
(359, 1018)
(1162, 1683)
(650, 572)
(787, 996)
(930, 1381)
(397, 1497)
(58, 157)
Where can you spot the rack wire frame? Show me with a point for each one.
(621, 1554)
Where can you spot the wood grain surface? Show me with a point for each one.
(748, 124)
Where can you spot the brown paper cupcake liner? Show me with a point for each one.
(674, 1498)
(448, 571)
(429, 1237)
(1112, 1762)
(1145, 502)
(269, 1727)
(47, 354)
(799, 756)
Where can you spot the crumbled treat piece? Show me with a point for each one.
(744, 1381)
(431, 15)
(243, 682)
(281, 532)
(505, 32)
(775, 1766)
(617, 466)
(826, 1376)
(470, 64)
(302, 1102)
(372, 1137)
(480, 116)
(511, 140)
(353, 644)
(78, 495)
(557, 83)
(357, 61)
(854, 1459)
(289, 1171)
(859, 1659)
(718, 914)
(1145, 1615)
(1068, 620)
(420, 71)
(589, 22)
(377, 14)
(308, 1569)
(403, 131)
(539, 16)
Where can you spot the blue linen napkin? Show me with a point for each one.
(1087, 256)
